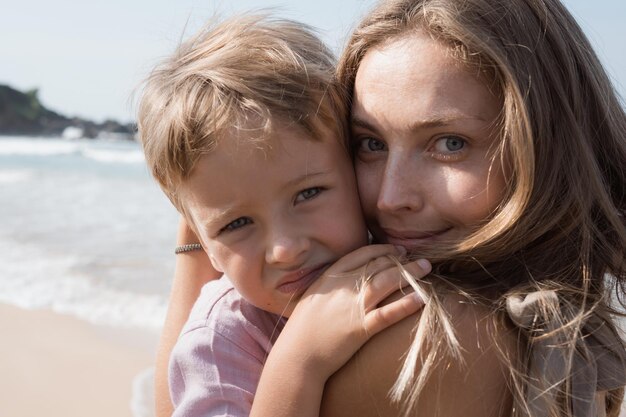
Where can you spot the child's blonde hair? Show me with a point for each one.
(561, 223)
(250, 73)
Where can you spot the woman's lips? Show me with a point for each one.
(300, 280)
(411, 239)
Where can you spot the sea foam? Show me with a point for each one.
(37, 146)
(107, 151)
(12, 176)
(142, 399)
(113, 156)
(44, 280)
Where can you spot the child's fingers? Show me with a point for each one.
(376, 267)
(419, 268)
(388, 280)
(389, 314)
(360, 257)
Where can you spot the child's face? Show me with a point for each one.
(274, 218)
(423, 128)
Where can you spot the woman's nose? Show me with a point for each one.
(400, 186)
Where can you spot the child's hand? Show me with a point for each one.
(332, 320)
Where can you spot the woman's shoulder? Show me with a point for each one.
(475, 386)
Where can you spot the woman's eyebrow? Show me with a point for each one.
(444, 120)
(356, 121)
(422, 124)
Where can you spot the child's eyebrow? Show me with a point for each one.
(305, 177)
(216, 218)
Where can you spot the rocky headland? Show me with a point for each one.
(21, 113)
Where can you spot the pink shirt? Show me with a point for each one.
(217, 361)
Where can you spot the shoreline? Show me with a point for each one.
(57, 365)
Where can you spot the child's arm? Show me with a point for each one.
(328, 326)
(193, 270)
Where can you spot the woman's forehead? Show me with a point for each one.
(417, 77)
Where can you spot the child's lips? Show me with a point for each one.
(300, 280)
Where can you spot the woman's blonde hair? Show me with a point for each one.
(250, 73)
(561, 223)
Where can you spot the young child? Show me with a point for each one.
(243, 128)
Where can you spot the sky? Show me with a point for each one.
(88, 58)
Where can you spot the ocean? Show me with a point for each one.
(85, 231)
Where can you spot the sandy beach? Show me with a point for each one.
(56, 365)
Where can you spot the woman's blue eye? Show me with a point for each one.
(374, 145)
(450, 144)
(369, 145)
(237, 224)
(308, 194)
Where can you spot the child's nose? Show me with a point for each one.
(286, 249)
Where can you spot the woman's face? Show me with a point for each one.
(424, 129)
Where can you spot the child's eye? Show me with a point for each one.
(308, 194)
(370, 145)
(236, 224)
(449, 144)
